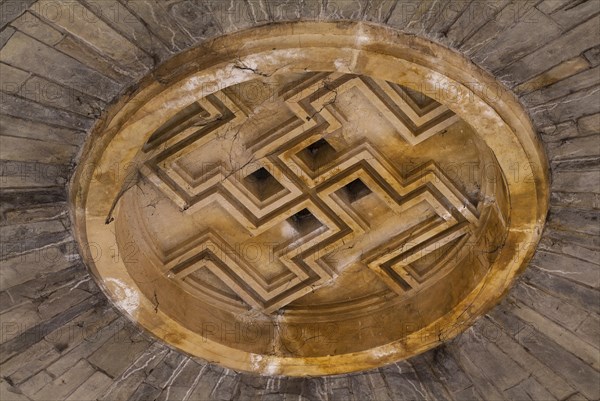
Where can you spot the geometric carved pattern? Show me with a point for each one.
(297, 178)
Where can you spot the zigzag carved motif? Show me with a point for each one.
(299, 179)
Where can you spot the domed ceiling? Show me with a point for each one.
(297, 201)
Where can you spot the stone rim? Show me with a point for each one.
(510, 113)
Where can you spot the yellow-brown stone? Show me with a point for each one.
(311, 198)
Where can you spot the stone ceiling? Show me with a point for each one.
(63, 64)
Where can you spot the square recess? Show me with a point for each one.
(262, 184)
(304, 222)
(355, 190)
(317, 154)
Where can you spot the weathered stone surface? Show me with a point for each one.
(252, 387)
(446, 368)
(226, 386)
(32, 335)
(234, 15)
(554, 308)
(402, 382)
(17, 320)
(589, 330)
(20, 319)
(566, 289)
(125, 22)
(346, 10)
(10, 216)
(9, 392)
(560, 131)
(565, 338)
(27, 109)
(15, 174)
(92, 388)
(65, 299)
(528, 389)
(64, 385)
(11, 78)
(49, 63)
(451, 11)
(88, 56)
(582, 164)
(567, 46)
(27, 266)
(84, 326)
(589, 125)
(101, 36)
(573, 148)
(35, 383)
(49, 93)
(5, 34)
(570, 247)
(531, 29)
(183, 382)
(550, 6)
(567, 107)
(565, 266)
(145, 392)
(576, 181)
(258, 11)
(357, 384)
(585, 222)
(554, 75)
(576, 200)
(431, 383)
(563, 87)
(518, 353)
(165, 369)
(502, 371)
(17, 127)
(569, 15)
(19, 239)
(126, 385)
(12, 9)
(94, 339)
(26, 364)
(31, 25)
(573, 369)
(410, 16)
(40, 287)
(32, 197)
(194, 19)
(127, 343)
(576, 397)
(593, 56)
(474, 17)
(512, 16)
(280, 10)
(476, 375)
(570, 232)
(160, 22)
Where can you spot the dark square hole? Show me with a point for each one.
(262, 184)
(356, 190)
(304, 222)
(317, 154)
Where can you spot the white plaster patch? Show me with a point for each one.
(124, 296)
(342, 65)
(382, 352)
(362, 38)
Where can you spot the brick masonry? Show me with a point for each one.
(61, 63)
